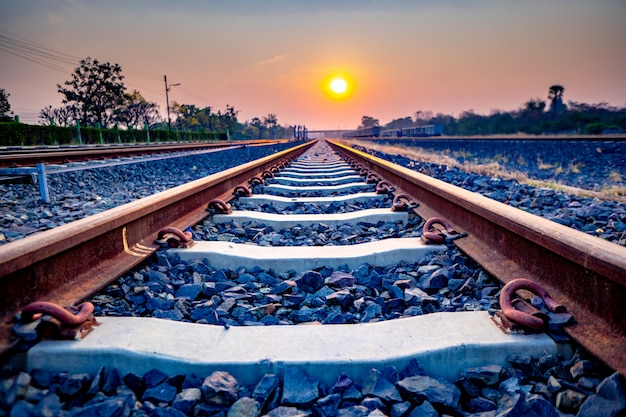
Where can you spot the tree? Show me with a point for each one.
(555, 94)
(136, 111)
(5, 107)
(423, 117)
(367, 121)
(61, 116)
(96, 91)
(270, 122)
(258, 124)
(400, 123)
(536, 106)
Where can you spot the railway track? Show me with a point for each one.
(32, 155)
(582, 273)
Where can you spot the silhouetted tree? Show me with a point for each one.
(423, 117)
(367, 121)
(400, 123)
(136, 111)
(96, 91)
(5, 107)
(61, 116)
(555, 94)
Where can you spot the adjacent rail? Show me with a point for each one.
(30, 156)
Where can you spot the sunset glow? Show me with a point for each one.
(319, 63)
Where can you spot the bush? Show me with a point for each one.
(18, 134)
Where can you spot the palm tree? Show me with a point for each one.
(556, 96)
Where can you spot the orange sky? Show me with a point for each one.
(272, 56)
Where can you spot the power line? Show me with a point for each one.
(53, 59)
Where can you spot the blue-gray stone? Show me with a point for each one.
(111, 407)
(425, 409)
(327, 406)
(437, 391)
(265, 388)
(598, 406)
(400, 409)
(376, 384)
(187, 399)
(310, 281)
(244, 407)
(340, 279)
(353, 411)
(484, 376)
(298, 388)
(613, 388)
(162, 393)
(283, 411)
(343, 298)
(189, 291)
(72, 384)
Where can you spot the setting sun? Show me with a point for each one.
(338, 86)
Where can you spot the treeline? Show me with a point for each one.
(536, 117)
(95, 97)
(193, 119)
(19, 134)
(577, 118)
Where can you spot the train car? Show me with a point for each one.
(413, 132)
(368, 132)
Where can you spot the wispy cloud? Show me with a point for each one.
(254, 67)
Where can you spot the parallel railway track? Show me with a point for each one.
(28, 156)
(581, 272)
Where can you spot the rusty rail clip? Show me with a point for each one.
(242, 191)
(372, 178)
(430, 236)
(256, 181)
(57, 322)
(402, 202)
(531, 321)
(218, 206)
(175, 238)
(384, 187)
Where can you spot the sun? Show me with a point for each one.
(338, 86)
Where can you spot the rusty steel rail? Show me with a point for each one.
(58, 155)
(72, 262)
(584, 273)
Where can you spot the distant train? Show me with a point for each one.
(409, 132)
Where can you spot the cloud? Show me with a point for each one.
(253, 67)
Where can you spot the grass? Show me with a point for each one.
(543, 166)
(496, 170)
(575, 168)
(615, 176)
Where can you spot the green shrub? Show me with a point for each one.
(18, 134)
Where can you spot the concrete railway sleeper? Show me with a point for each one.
(363, 264)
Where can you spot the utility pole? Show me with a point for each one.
(167, 101)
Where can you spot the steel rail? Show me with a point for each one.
(70, 263)
(582, 272)
(57, 155)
